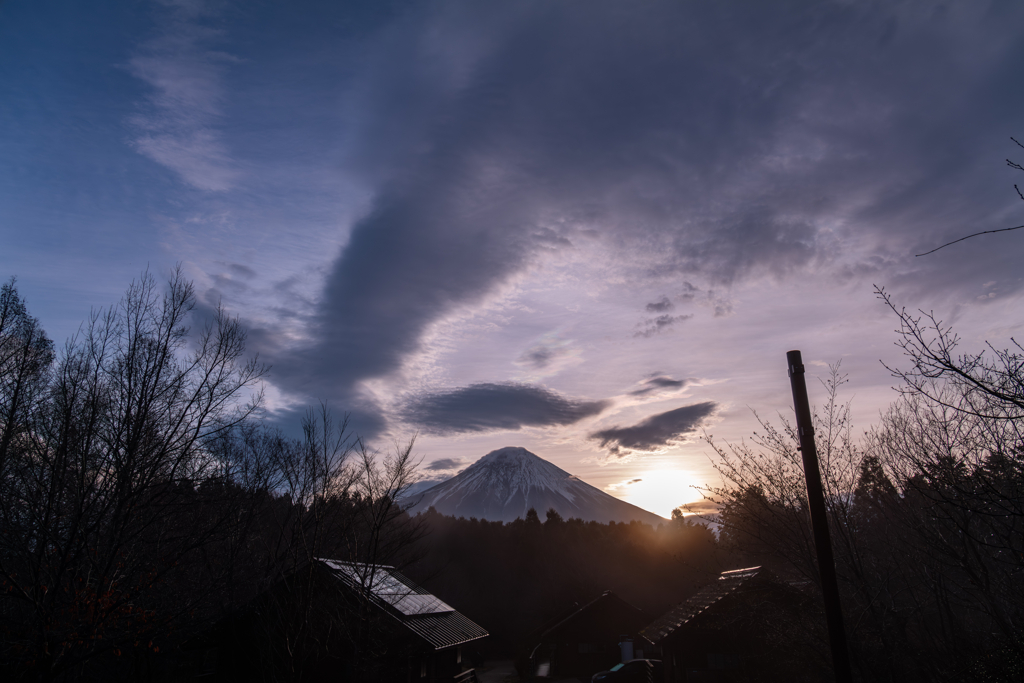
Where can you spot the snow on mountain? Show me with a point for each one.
(505, 483)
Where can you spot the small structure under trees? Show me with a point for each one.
(747, 625)
(338, 621)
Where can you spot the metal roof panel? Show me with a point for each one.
(671, 621)
(423, 613)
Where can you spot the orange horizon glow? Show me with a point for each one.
(660, 491)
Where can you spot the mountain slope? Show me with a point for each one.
(505, 483)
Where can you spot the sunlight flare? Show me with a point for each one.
(659, 491)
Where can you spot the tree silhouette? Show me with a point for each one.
(107, 481)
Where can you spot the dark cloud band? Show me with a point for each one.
(703, 140)
(656, 431)
(495, 407)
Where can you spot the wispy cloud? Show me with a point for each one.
(496, 407)
(548, 356)
(658, 384)
(623, 484)
(662, 323)
(693, 141)
(660, 306)
(703, 507)
(719, 303)
(445, 464)
(655, 432)
(177, 125)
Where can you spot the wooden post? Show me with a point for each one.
(819, 521)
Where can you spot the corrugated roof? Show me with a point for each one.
(444, 630)
(400, 593)
(421, 612)
(727, 582)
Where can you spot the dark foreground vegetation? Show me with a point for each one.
(144, 500)
(926, 512)
(146, 503)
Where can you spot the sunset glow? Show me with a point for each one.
(660, 491)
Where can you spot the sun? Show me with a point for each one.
(660, 491)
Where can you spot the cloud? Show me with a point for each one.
(721, 305)
(177, 125)
(656, 431)
(550, 239)
(722, 308)
(657, 384)
(660, 306)
(548, 356)
(242, 270)
(702, 507)
(445, 464)
(407, 264)
(538, 357)
(623, 484)
(495, 407)
(691, 140)
(689, 292)
(663, 323)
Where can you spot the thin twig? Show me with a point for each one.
(983, 232)
(1011, 164)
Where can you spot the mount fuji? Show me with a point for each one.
(505, 483)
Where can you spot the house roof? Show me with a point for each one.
(727, 583)
(424, 614)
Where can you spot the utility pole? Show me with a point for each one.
(819, 521)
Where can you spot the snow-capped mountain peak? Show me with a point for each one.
(505, 483)
(513, 469)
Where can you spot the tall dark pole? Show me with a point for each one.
(819, 521)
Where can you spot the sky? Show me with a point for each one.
(589, 228)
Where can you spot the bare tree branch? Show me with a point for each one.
(1011, 164)
(983, 232)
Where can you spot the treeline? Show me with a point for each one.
(926, 512)
(143, 498)
(514, 578)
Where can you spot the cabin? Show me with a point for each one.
(746, 625)
(339, 621)
(588, 639)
